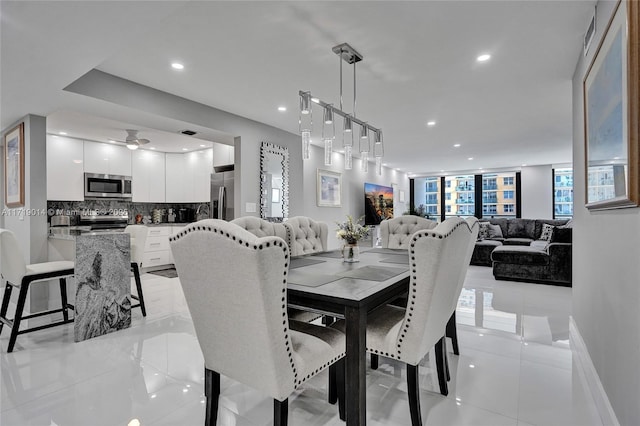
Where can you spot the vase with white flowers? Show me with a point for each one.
(351, 232)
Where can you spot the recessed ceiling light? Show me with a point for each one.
(456, 145)
(431, 123)
(524, 165)
(385, 164)
(470, 158)
(472, 366)
(63, 133)
(177, 66)
(112, 141)
(77, 161)
(616, 158)
(185, 149)
(282, 108)
(153, 147)
(483, 58)
(202, 145)
(441, 171)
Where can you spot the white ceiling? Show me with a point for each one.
(248, 58)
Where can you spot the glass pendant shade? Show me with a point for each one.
(379, 166)
(328, 115)
(328, 152)
(348, 157)
(378, 148)
(348, 125)
(364, 132)
(305, 105)
(306, 141)
(364, 157)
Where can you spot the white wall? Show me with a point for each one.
(31, 229)
(606, 270)
(352, 190)
(537, 192)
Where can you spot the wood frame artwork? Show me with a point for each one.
(14, 167)
(611, 114)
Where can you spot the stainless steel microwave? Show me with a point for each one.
(107, 186)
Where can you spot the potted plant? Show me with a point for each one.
(351, 232)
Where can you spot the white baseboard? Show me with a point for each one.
(589, 376)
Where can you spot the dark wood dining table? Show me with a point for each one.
(323, 283)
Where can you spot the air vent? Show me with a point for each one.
(588, 36)
(188, 132)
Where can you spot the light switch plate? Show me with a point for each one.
(250, 207)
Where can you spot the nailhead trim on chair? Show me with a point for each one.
(285, 249)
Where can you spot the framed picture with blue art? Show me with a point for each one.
(329, 189)
(611, 98)
(14, 167)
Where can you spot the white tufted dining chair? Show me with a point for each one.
(438, 258)
(138, 236)
(396, 233)
(20, 275)
(262, 228)
(307, 235)
(235, 285)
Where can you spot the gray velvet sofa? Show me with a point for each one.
(520, 255)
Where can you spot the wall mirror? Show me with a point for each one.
(274, 182)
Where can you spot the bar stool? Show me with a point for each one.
(20, 275)
(138, 235)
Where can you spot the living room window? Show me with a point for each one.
(460, 195)
(563, 192)
(498, 192)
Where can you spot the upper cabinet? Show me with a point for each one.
(148, 176)
(188, 176)
(222, 154)
(65, 171)
(107, 159)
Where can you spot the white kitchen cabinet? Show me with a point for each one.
(222, 154)
(188, 176)
(175, 189)
(65, 172)
(148, 176)
(157, 251)
(107, 159)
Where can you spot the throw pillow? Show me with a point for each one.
(561, 235)
(495, 231)
(547, 231)
(483, 231)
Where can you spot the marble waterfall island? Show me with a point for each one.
(103, 292)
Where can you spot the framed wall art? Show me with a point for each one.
(14, 167)
(329, 188)
(611, 97)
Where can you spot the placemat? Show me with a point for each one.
(336, 254)
(386, 251)
(398, 258)
(312, 280)
(299, 262)
(373, 273)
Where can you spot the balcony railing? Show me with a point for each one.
(464, 188)
(489, 187)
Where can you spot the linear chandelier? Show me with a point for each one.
(351, 56)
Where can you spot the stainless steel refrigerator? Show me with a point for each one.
(222, 188)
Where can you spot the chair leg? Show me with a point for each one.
(452, 332)
(374, 361)
(136, 276)
(340, 383)
(5, 304)
(440, 349)
(63, 297)
(333, 386)
(280, 412)
(414, 395)
(22, 297)
(212, 393)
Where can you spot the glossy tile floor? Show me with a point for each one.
(515, 368)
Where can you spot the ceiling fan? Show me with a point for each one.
(133, 141)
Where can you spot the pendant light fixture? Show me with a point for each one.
(378, 151)
(348, 54)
